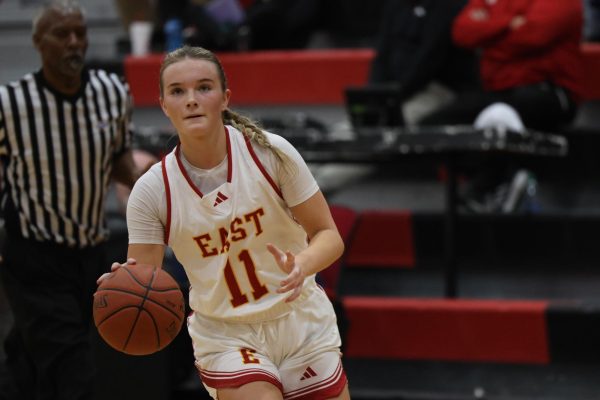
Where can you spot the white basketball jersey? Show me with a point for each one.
(220, 237)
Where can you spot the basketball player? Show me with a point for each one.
(245, 217)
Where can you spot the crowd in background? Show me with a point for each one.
(226, 24)
(450, 60)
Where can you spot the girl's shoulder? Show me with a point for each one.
(152, 178)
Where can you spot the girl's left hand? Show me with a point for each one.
(287, 262)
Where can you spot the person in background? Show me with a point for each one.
(135, 10)
(64, 133)
(591, 14)
(209, 23)
(415, 52)
(137, 16)
(281, 24)
(246, 219)
(529, 59)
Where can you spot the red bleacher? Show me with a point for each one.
(298, 76)
(382, 239)
(268, 77)
(445, 329)
(591, 65)
(498, 330)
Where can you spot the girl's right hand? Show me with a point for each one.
(115, 266)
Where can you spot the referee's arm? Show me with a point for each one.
(125, 170)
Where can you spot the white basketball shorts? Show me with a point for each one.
(299, 353)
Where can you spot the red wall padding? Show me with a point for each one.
(299, 76)
(591, 68)
(445, 329)
(268, 77)
(142, 74)
(382, 239)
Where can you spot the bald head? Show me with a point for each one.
(60, 36)
(53, 9)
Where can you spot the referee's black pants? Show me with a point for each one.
(49, 288)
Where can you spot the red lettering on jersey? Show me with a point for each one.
(203, 241)
(254, 216)
(258, 289)
(237, 232)
(237, 297)
(224, 242)
(248, 356)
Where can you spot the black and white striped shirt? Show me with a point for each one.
(57, 154)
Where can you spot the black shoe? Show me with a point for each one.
(521, 183)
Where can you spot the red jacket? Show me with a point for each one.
(545, 48)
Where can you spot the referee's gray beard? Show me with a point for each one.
(75, 63)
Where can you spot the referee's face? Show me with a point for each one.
(61, 39)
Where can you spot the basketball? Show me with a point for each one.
(138, 309)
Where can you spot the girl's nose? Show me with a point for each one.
(191, 100)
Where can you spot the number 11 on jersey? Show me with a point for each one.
(239, 298)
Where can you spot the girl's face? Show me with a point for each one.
(192, 97)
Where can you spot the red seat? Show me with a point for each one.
(591, 65)
(382, 239)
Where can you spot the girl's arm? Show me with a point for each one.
(325, 245)
(147, 254)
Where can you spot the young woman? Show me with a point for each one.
(246, 219)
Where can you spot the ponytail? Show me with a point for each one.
(254, 133)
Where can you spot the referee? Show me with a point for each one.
(64, 133)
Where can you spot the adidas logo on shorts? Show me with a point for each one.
(309, 373)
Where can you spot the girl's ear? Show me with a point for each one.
(162, 105)
(226, 97)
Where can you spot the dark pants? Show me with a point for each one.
(49, 289)
(542, 107)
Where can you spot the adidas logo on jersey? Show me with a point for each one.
(309, 373)
(220, 198)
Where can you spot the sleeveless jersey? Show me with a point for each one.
(220, 237)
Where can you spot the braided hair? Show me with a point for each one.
(249, 128)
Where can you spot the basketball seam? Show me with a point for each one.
(118, 310)
(141, 296)
(141, 308)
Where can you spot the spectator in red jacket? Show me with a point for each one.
(529, 59)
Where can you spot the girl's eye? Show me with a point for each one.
(176, 91)
(204, 88)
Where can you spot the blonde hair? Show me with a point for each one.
(248, 127)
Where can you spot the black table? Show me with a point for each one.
(445, 144)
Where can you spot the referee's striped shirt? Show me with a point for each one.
(57, 154)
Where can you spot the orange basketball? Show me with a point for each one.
(139, 309)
